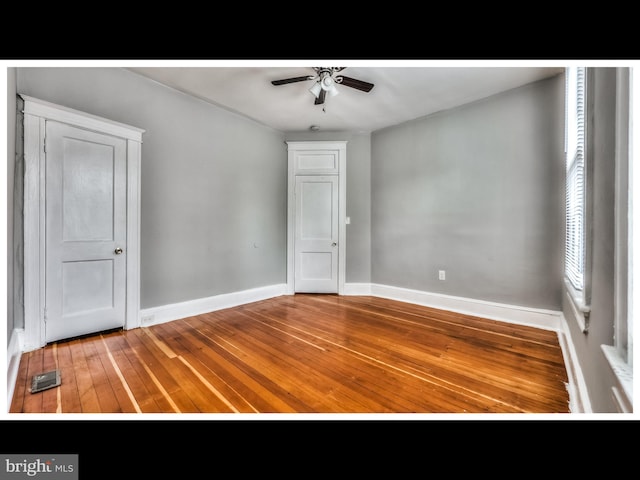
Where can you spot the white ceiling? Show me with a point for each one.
(400, 94)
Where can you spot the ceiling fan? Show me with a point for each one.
(326, 79)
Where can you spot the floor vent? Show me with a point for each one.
(44, 381)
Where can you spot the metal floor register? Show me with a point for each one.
(45, 381)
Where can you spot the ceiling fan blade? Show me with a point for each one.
(321, 97)
(354, 83)
(292, 80)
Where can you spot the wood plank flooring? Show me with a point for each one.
(305, 354)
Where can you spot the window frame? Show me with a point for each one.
(620, 355)
(580, 298)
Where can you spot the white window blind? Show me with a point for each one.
(575, 177)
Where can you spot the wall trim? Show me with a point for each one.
(539, 318)
(534, 317)
(622, 390)
(292, 148)
(41, 108)
(176, 311)
(578, 395)
(14, 354)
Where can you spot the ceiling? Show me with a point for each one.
(401, 93)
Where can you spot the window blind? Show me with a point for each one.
(575, 177)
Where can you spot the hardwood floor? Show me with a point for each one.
(305, 354)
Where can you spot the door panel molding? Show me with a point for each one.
(35, 114)
(316, 239)
(316, 158)
(85, 224)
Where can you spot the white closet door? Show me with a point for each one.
(86, 231)
(316, 234)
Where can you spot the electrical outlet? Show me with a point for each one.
(147, 319)
(441, 275)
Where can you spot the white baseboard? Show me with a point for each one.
(578, 395)
(14, 353)
(546, 319)
(534, 317)
(175, 311)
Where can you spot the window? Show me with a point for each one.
(575, 151)
(574, 246)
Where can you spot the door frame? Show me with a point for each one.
(340, 147)
(35, 114)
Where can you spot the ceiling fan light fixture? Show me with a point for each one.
(315, 89)
(326, 81)
(328, 84)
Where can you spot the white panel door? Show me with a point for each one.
(85, 231)
(316, 234)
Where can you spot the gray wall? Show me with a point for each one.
(596, 370)
(214, 184)
(358, 250)
(476, 191)
(11, 158)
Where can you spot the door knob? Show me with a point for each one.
(334, 244)
(118, 251)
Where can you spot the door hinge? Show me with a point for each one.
(44, 138)
(45, 314)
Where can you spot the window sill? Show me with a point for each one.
(623, 390)
(581, 311)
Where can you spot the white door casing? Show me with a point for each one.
(325, 160)
(316, 234)
(36, 115)
(85, 276)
